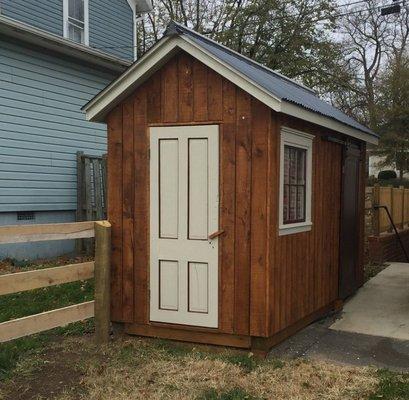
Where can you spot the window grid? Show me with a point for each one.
(294, 185)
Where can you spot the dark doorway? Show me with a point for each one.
(349, 242)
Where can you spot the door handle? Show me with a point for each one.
(214, 235)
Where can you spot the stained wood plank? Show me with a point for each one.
(29, 280)
(45, 232)
(200, 107)
(25, 326)
(114, 197)
(154, 87)
(260, 129)
(214, 96)
(243, 213)
(128, 210)
(227, 208)
(185, 77)
(170, 93)
(141, 206)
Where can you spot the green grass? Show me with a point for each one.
(391, 386)
(233, 394)
(22, 304)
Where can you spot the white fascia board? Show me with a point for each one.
(39, 37)
(302, 113)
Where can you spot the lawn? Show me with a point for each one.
(65, 364)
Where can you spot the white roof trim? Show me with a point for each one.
(39, 37)
(322, 120)
(119, 89)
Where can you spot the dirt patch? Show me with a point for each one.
(53, 373)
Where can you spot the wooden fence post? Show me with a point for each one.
(376, 214)
(102, 280)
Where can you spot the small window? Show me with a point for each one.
(76, 21)
(295, 181)
(294, 184)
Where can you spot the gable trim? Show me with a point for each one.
(142, 69)
(113, 94)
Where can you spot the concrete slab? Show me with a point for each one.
(380, 307)
(320, 343)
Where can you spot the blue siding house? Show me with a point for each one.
(55, 55)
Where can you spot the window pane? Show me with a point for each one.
(301, 203)
(294, 174)
(301, 167)
(76, 9)
(286, 164)
(286, 203)
(293, 203)
(76, 34)
(293, 165)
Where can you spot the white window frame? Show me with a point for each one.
(86, 21)
(301, 140)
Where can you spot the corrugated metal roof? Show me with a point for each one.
(273, 82)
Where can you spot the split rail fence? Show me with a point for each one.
(23, 281)
(397, 202)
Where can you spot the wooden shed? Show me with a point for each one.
(235, 194)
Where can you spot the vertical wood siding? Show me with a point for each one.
(304, 266)
(266, 282)
(42, 127)
(110, 21)
(184, 91)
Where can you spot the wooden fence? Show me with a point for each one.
(22, 281)
(91, 187)
(397, 202)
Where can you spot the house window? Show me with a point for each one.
(295, 181)
(76, 21)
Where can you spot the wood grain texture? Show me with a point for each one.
(243, 210)
(141, 210)
(304, 266)
(227, 208)
(114, 199)
(128, 203)
(260, 130)
(45, 232)
(29, 280)
(25, 326)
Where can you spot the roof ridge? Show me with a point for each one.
(175, 28)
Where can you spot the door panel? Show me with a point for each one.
(184, 194)
(349, 244)
(169, 184)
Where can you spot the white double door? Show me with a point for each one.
(184, 211)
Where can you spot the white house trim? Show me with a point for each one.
(39, 37)
(301, 140)
(86, 21)
(100, 105)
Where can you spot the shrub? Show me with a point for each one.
(387, 174)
